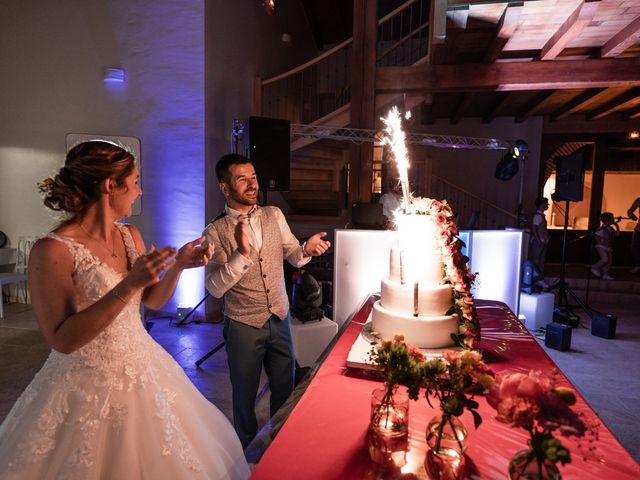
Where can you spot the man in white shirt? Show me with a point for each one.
(391, 201)
(246, 270)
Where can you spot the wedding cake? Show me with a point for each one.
(426, 296)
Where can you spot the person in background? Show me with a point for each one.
(391, 201)
(539, 239)
(251, 244)
(635, 237)
(109, 401)
(604, 237)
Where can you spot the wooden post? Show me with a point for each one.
(363, 67)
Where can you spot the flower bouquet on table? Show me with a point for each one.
(537, 404)
(453, 381)
(399, 363)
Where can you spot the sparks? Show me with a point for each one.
(394, 137)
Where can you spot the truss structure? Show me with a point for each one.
(359, 135)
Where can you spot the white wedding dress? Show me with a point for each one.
(118, 408)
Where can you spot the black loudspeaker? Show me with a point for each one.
(558, 336)
(270, 152)
(604, 326)
(570, 176)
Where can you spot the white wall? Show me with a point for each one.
(53, 55)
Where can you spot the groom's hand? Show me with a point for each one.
(316, 245)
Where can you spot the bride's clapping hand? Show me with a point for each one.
(148, 267)
(194, 254)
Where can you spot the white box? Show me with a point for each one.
(311, 338)
(537, 309)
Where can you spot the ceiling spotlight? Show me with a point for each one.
(507, 166)
(520, 148)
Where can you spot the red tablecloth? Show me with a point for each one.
(325, 436)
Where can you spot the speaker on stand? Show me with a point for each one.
(569, 187)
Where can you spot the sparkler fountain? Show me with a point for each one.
(395, 138)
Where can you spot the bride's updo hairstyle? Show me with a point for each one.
(75, 187)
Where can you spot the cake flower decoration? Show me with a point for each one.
(456, 270)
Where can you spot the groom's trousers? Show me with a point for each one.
(248, 349)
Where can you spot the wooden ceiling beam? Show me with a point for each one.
(571, 28)
(628, 99)
(622, 40)
(427, 114)
(592, 73)
(505, 28)
(578, 102)
(462, 107)
(535, 103)
(445, 52)
(631, 114)
(503, 99)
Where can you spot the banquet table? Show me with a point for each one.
(325, 435)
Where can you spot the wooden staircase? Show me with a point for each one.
(318, 93)
(317, 180)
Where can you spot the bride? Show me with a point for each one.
(109, 402)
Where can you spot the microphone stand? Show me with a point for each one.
(236, 135)
(589, 260)
(561, 284)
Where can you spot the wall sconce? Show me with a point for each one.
(633, 135)
(113, 75)
(269, 6)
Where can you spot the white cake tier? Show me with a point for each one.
(432, 300)
(420, 264)
(416, 227)
(423, 332)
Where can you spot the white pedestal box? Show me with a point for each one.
(311, 338)
(537, 309)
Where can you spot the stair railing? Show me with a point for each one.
(471, 208)
(322, 85)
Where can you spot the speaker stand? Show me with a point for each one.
(563, 287)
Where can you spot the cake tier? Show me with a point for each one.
(432, 300)
(419, 264)
(416, 227)
(421, 331)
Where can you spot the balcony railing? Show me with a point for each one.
(472, 211)
(321, 86)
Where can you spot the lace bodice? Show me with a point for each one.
(117, 344)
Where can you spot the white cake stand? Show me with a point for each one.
(359, 354)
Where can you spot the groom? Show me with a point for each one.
(251, 242)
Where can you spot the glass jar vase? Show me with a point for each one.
(525, 465)
(389, 427)
(447, 441)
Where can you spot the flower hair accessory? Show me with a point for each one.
(45, 185)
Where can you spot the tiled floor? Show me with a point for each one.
(602, 370)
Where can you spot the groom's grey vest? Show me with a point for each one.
(261, 292)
